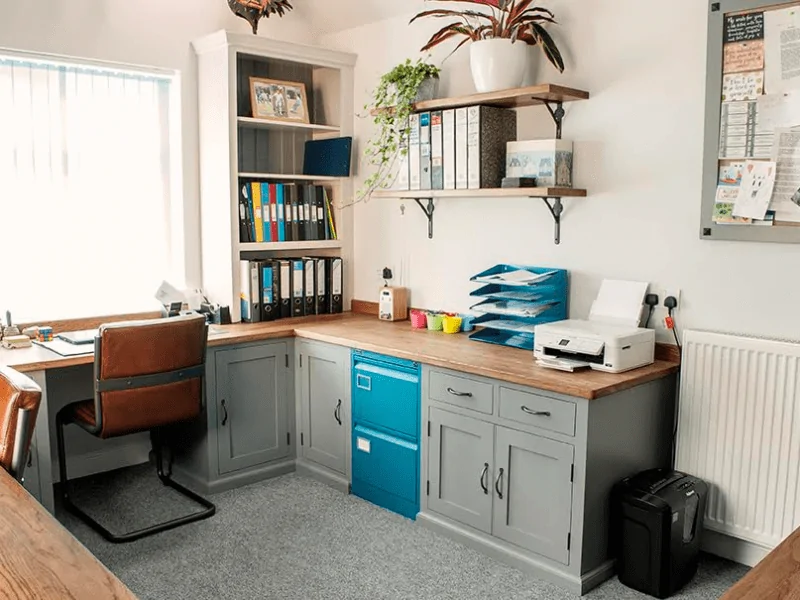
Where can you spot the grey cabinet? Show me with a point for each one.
(324, 404)
(460, 467)
(252, 414)
(533, 492)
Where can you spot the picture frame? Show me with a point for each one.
(275, 100)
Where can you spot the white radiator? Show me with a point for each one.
(739, 430)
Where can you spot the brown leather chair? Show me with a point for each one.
(148, 375)
(19, 404)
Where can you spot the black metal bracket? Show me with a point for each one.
(428, 213)
(555, 209)
(556, 110)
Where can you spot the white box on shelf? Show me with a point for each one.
(550, 161)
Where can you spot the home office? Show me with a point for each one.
(473, 441)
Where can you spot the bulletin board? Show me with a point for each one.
(751, 169)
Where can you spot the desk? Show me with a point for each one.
(40, 560)
(776, 577)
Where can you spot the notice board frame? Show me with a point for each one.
(709, 230)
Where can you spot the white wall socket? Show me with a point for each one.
(675, 293)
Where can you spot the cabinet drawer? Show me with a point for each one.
(539, 411)
(461, 391)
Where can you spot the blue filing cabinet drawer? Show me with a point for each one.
(386, 420)
(386, 394)
(386, 470)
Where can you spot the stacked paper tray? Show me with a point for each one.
(515, 299)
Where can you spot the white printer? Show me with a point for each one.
(611, 340)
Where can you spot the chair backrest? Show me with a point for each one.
(19, 404)
(149, 373)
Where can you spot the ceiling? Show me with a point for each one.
(328, 16)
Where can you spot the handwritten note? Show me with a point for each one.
(744, 56)
(744, 28)
(755, 192)
(742, 86)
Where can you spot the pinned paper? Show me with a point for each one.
(782, 50)
(755, 193)
(779, 110)
(742, 86)
(619, 302)
(786, 196)
(743, 56)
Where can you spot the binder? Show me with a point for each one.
(281, 212)
(490, 129)
(437, 171)
(273, 212)
(301, 208)
(257, 212)
(425, 150)
(330, 231)
(322, 215)
(298, 295)
(244, 291)
(311, 211)
(310, 294)
(401, 182)
(461, 148)
(449, 149)
(334, 291)
(295, 213)
(414, 175)
(254, 269)
(321, 306)
(285, 288)
(270, 291)
(244, 214)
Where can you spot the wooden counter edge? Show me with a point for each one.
(770, 579)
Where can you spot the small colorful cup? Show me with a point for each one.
(435, 321)
(451, 324)
(418, 319)
(467, 322)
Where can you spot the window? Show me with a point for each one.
(87, 163)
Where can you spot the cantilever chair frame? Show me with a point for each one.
(20, 457)
(129, 383)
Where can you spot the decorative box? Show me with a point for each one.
(550, 161)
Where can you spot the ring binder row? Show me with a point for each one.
(293, 287)
(514, 299)
(284, 212)
(462, 148)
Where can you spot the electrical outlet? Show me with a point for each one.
(675, 293)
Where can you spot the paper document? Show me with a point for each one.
(66, 349)
(742, 133)
(518, 277)
(743, 56)
(167, 293)
(619, 302)
(737, 87)
(743, 28)
(562, 364)
(723, 206)
(517, 309)
(782, 49)
(755, 193)
(779, 110)
(786, 196)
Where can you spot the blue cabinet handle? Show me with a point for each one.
(363, 382)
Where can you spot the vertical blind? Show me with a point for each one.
(84, 189)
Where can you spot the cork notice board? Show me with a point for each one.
(751, 168)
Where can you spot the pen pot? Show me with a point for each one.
(418, 319)
(467, 322)
(451, 324)
(435, 321)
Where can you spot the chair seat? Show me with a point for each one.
(83, 412)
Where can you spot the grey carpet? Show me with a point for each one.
(294, 538)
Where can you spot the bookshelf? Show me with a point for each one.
(549, 95)
(235, 148)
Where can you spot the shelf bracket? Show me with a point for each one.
(556, 110)
(428, 210)
(555, 209)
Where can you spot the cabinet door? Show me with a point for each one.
(325, 409)
(252, 412)
(460, 468)
(533, 493)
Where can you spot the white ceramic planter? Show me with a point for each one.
(497, 64)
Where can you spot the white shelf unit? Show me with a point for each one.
(234, 147)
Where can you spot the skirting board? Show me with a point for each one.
(234, 480)
(510, 556)
(334, 480)
(740, 551)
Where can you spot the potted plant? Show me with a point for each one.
(500, 36)
(391, 103)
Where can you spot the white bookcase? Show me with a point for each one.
(235, 146)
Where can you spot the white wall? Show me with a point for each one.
(143, 32)
(638, 144)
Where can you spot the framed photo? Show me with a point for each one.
(282, 100)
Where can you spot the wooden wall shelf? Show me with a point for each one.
(280, 124)
(302, 245)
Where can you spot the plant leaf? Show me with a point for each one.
(549, 46)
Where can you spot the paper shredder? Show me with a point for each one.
(657, 522)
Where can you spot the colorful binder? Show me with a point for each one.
(281, 213)
(257, 211)
(270, 290)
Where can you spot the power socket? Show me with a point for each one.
(675, 293)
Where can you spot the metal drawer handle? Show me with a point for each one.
(459, 394)
(225, 409)
(363, 382)
(337, 412)
(498, 484)
(484, 473)
(536, 413)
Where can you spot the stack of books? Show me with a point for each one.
(284, 212)
(456, 149)
(292, 287)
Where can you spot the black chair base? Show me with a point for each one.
(166, 479)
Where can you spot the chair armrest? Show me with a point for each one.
(21, 444)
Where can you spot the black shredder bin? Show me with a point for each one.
(657, 521)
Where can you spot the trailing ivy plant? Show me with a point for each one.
(391, 104)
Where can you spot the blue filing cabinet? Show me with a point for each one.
(386, 431)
